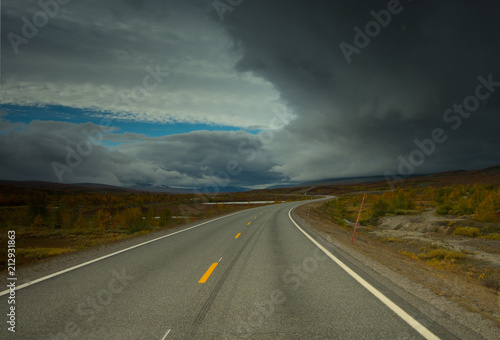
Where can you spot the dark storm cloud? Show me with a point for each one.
(364, 114)
(42, 149)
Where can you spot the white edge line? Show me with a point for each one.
(27, 284)
(395, 308)
(166, 335)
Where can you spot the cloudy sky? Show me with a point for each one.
(247, 93)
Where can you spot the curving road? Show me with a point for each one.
(253, 274)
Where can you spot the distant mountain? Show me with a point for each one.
(345, 180)
(99, 186)
(233, 189)
(332, 181)
(489, 175)
(495, 169)
(158, 189)
(164, 188)
(284, 186)
(25, 186)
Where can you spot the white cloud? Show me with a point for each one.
(86, 58)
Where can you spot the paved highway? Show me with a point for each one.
(253, 274)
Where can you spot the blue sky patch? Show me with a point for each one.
(26, 114)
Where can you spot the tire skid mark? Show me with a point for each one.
(208, 303)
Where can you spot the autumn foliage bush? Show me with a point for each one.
(480, 201)
(392, 202)
(467, 231)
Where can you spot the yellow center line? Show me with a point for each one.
(249, 223)
(205, 277)
(237, 235)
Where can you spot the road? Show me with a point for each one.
(253, 274)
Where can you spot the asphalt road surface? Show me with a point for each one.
(253, 274)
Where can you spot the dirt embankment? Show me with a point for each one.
(435, 230)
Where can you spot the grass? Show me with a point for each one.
(40, 253)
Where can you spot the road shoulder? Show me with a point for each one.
(435, 311)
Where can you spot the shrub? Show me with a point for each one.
(337, 211)
(442, 254)
(464, 207)
(100, 220)
(467, 231)
(402, 201)
(492, 282)
(37, 203)
(165, 216)
(409, 254)
(379, 208)
(442, 194)
(38, 222)
(80, 222)
(485, 211)
(495, 236)
(444, 209)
